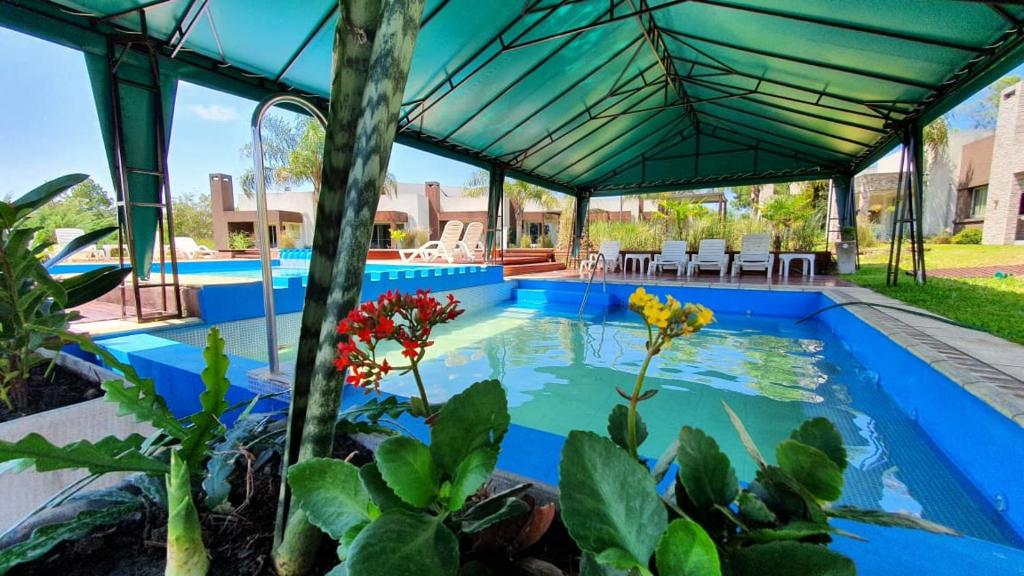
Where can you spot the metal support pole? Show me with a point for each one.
(580, 225)
(495, 197)
(262, 222)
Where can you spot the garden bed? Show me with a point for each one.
(63, 387)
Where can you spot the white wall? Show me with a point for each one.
(301, 202)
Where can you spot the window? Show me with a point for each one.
(979, 196)
(381, 236)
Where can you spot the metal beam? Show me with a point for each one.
(306, 41)
(792, 125)
(801, 60)
(631, 161)
(776, 135)
(144, 6)
(612, 19)
(615, 141)
(187, 31)
(654, 38)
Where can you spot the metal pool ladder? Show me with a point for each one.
(604, 280)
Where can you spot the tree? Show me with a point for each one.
(518, 192)
(193, 217)
(746, 198)
(985, 112)
(87, 206)
(682, 212)
(280, 137)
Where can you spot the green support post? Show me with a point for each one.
(495, 197)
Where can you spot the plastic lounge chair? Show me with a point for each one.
(191, 249)
(66, 235)
(471, 240)
(755, 254)
(445, 247)
(673, 255)
(610, 249)
(710, 255)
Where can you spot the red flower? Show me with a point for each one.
(385, 327)
(385, 367)
(410, 349)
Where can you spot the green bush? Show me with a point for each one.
(865, 235)
(941, 239)
(240, 241)
(968, 236)
(644, 235)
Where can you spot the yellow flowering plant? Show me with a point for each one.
(665, 322)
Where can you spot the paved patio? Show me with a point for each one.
(748, 280)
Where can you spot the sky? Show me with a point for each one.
(48, 127)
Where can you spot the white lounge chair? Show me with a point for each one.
(610, 249)
(65, 235)
(710, 255)
(444, 247)
(673, 255)
(190, 249)
(471, 240)
(755, 254)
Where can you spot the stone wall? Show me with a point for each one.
(1005, 182)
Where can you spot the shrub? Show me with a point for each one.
(968, 236)
(941, 239)
(644, 235)
(240, 241)
(866, 237)
(414, 238)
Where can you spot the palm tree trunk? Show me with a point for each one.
(364, 117)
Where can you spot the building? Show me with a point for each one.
(975, 182)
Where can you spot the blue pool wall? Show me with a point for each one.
(184, 267)
(228, 302)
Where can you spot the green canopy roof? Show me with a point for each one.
(605, 96)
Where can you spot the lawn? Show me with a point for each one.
(989, 304)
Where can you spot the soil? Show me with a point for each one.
(62, 388)
(240, 542)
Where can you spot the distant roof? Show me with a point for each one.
(599, 96)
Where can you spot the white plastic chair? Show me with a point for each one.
(710, 255)
(65, 235)
(444, 247)
(190, 249)
(673, 255)
(755, 254)
(471, 240)
(610, 249)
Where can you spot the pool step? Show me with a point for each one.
(563, 299)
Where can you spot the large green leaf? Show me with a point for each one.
(45, 192)
(704, 470)
(786, 497)
(687, 550)
(330, 493)
(796, 530)
(44, 538)
(408, 468)
(90, 285)
(891, 519)
(108, 455)
(380, 493)
(186, 554)
(471, 474)
(403, 542)
(822, 434)
(222, 462)
(754, 509)
(213, 400)
(589, 566)
(482, 517)
(618, 426)
(791, 559)
(473, 419)
(609, 501)
(77, 244)
(811, 468)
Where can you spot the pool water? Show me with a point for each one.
(561, 374)
(284, 272)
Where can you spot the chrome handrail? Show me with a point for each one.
(604, 279)
(262, 223)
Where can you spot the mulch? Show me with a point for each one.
(978, 272)
(62, 388)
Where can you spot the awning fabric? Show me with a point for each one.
(605, 97)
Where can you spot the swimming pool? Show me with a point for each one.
(560, 375)
(255, 272)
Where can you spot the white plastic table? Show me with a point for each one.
(639, 262)
(786, 259)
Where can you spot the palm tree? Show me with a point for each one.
(518, 192)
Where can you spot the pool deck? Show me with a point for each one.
(987, 366)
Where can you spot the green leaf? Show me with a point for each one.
(331, 495)
(222, 462)
(404, 542)
(811, 468)
(381, 494)
(618, 426)
(108, 455)
(77, 244)
(891, 519)
(589, 566)
(473, 419)
(704, 470)
(471, 474)
(346, 540)
(687, 550)
(186, 554)
(745, 438)
(791, 559)
(44, 538)
(785, 496)
(822, 434)
(214, 375)
(90, 285)
(608, 499)
(408, 469)
(753, 508)
(481, 518)
(45, 192)
(796, 530)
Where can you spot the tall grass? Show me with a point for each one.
(644, 235)
(808, 234)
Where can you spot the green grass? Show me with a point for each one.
(939, 256)
(988, 304)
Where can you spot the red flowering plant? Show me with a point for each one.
(407, 319)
